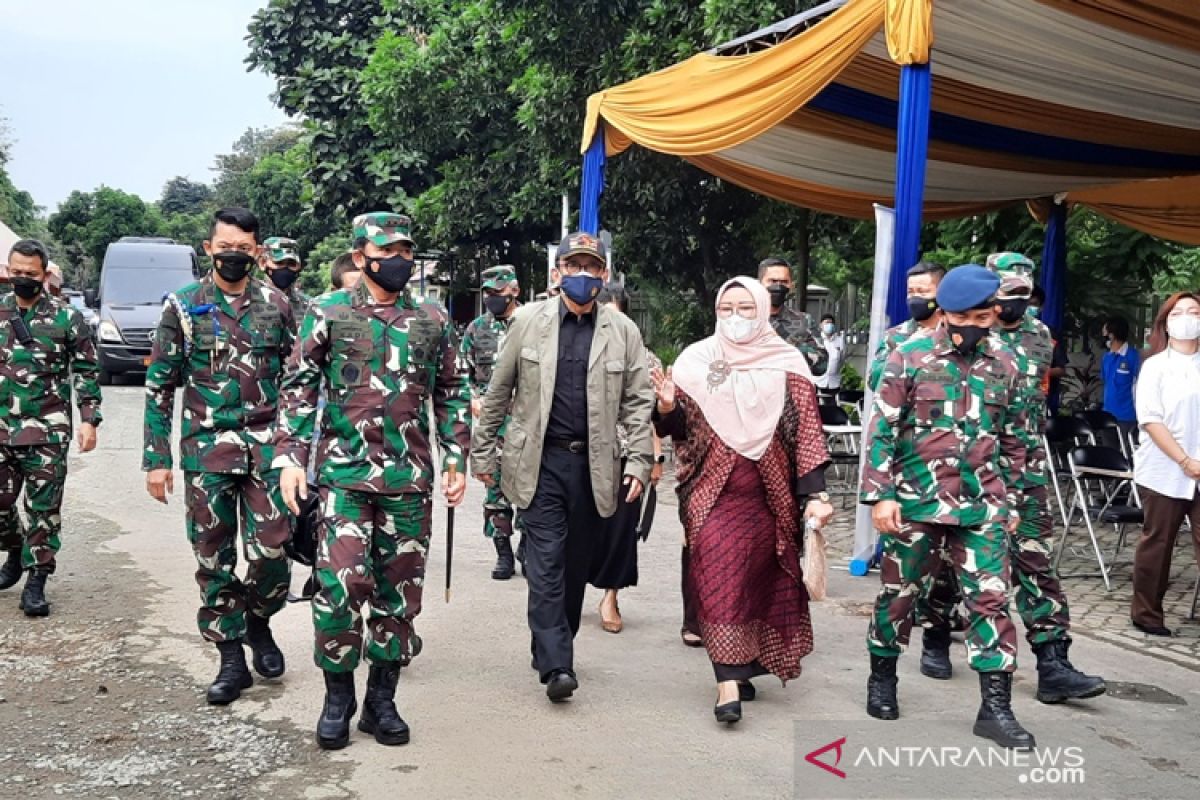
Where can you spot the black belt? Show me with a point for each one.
(570, 445)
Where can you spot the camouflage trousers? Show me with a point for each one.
(497, 511)
(372, 553)
(215, 501)
(42, 470)
(1040, 600)
(980, 558)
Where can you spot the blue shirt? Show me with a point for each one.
(1119, 371)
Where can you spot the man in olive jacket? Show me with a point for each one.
(570, 370)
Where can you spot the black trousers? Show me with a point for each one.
(561, 528)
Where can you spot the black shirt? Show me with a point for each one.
(568, 412)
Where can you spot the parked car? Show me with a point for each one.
(79, 302)
(137, 274)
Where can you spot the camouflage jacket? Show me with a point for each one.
(478, 349)
(379, 365)
(227, 355)
(796, 328)
(893, 337)
(300, 303)
(1033, 345)
(36, 379)
(941, 427)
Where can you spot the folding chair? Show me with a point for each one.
(1101, 423)
(1062, 435)
(854, 399)
(1105, 473)
(842, 436)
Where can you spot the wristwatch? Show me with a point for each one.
(660, 459)
(822, 496)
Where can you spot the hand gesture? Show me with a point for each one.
(664, 389)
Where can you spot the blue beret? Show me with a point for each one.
(967, 287)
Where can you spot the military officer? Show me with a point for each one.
(46, 350)
(945, 433)
(1040, 598)
(478, 350)
(795, 327)
(223, 341)
(380, 356)
(281, 262)
(924, 315)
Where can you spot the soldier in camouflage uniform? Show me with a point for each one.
(478, 350)
(46, 349)
(281, 262)
(381, 356)
(924, 315)
(1040, 599)
(945, 432)
(223, 341)
(795, 327)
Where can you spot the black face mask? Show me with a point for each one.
(779, 295)
(497, 305)
(393, 273)
(233, 265)
(966, 338)
(921, 308)
(283, 278)
(26, 288)
(1012, 310)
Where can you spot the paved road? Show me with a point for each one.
(641, 725)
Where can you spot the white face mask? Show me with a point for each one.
(1185, 327)
(738, 328)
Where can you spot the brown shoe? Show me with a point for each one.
(609, 624)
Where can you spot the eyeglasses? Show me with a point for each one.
(744, 310)
(573, 267)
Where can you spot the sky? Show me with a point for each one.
(125, 93)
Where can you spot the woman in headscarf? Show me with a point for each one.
(751, 457)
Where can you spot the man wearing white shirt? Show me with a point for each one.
(835, 344)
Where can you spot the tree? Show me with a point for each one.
(183, 196)
(17, 208)
(229, 187)
(88, 222)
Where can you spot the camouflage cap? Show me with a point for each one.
(382, 228)
(499, 277)
(582, 244)
(1014, 286)
(1011, 263)
(280, 249)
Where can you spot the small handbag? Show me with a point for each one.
(815, 567)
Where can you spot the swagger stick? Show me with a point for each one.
(450, 532)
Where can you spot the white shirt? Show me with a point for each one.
(1168, 392)
(835, 346)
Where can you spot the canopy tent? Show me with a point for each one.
(1089, 100)
(854, 104)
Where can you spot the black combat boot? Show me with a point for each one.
(935, 653)
(232, 677)
(333, 728)
(268, 659)
(995, 720)
(881, 688)
(10, 573)
(1058, 680)
(33, 598)
(521, 553)
(379, 715)
(505, 567)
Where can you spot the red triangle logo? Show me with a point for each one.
(813, 757)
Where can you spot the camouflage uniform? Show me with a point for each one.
(380, 366)
(892, 338)
(477, 352)
(36, 382)
(1040, 599)
(942, 425)
(226, 353)
(796, 328)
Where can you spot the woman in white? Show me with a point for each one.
(1167, 465)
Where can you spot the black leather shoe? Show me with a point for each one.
(333, 728)
(10, 573)
(746, 691)
(995, 720)
(561, 686)
(1058, 680)
(1153, 630)
(232, 677)
(935, 654)
(505, 567)
(881, 688)
(521, 554)
(33, 596)
(268, 658)
(728, 713)
(379, 716)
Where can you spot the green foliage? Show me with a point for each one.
(17, 208)
(315, 278)
(183, 196)
(88, 222)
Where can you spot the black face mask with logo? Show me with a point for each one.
(1012, 310)
(779, 295)
(26, 288)
(390, 274)
(233, 265)
(921, 308)
(966, 338)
